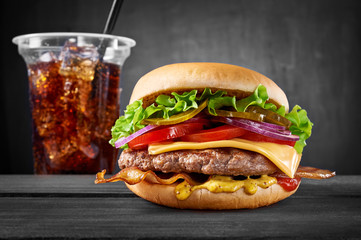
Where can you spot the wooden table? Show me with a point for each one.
(71, 206)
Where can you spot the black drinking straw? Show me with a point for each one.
(112, 17)
(109, 26)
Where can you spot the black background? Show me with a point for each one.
(311, 49)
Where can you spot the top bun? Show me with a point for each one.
(237, 81)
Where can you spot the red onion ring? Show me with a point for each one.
(258, 127)
(274, 126)
(266, 126)
(121, 141)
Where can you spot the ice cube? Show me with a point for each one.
(44, 121)
(48, 57)
(78, 61)
(91, 150)
(57, 150)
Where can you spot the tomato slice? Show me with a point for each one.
(288, 184)
(166, 133)
(261, 138)
(218, 133)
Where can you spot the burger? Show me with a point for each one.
(211, 136)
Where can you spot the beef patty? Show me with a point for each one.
(220, 161)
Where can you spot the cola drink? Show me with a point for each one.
(72, 118)
(74, 90)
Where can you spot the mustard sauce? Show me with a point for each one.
(218, 184)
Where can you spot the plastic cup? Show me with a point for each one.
(74, 90)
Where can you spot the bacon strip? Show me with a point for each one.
(133, 175)
(308, 172)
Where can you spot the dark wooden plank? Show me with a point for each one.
(36, 185)
(322, 209)
(135, 218)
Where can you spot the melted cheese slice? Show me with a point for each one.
(283, 156)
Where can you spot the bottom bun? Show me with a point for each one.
(204, 199)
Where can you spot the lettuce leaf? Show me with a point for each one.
(301, 126)
(258, 98)
(168, 106)
(207, 94)
(128, 123)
